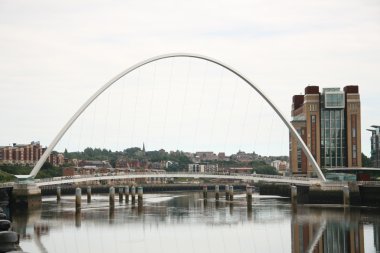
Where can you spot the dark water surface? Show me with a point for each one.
(183, 222)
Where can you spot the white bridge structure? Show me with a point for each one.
(255, 88)
(320, 180)
(254, 178)
(249, 178)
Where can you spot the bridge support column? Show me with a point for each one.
(133, 193)
(346, 196)
(58, 194)
(88, 194)
(205, 192)
(78, 199)
(112, 197)
(217, 192)
(293, 196)
(26, 195)
(140, 195)
(231, 193)
(78, 218)
(126, 191)
(121, 193)
(227, 189)
(249, 196)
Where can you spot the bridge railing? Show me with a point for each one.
(6, 185)
(263, 176)
(106, 176)
(369, 183)
(333, 185)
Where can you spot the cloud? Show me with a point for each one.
(55, 54)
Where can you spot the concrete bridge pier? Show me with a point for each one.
(205, 192)
(111, 215)
(249, 213)
(78, 199)
(78, 218)
(227, 190)
(88, 194)
(249, 196)
(121, 193)
(126, 192)
(133, 194)
(58, 194)
(217, 192)
(231, 193)
(26, 195)
(231, 208)
(293, 196)
(346, 196)
(140, 195)
(112, 197)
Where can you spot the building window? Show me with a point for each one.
(332, 140)
(334, 100)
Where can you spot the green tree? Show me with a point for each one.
(156, 156)
(260, 167)
(131, 152)
(174, 167)
(16, 169)
(6, 177)
(366, 162)
(48, 171)
(180, 158)
(266, 169)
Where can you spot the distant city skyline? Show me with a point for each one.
(55, 55)
(142, 147)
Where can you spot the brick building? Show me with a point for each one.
(330, 124)
(27, 154)
(206, 156)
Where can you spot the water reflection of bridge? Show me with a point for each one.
(317, 229)
(313, 229)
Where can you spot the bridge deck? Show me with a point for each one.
(250, 177)
(247, 177)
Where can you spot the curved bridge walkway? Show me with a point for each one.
(248, 177)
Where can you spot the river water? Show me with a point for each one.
(183, 222)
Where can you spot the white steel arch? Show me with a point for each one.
(50, 148)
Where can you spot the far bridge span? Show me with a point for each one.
(247, 177)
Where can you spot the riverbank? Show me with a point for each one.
(365, 195)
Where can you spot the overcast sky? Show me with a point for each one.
(55, 54)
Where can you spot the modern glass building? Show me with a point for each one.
(333, 128)
(329, 123)
(375, 146)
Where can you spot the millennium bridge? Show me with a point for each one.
(253, 178)
(28, 188)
